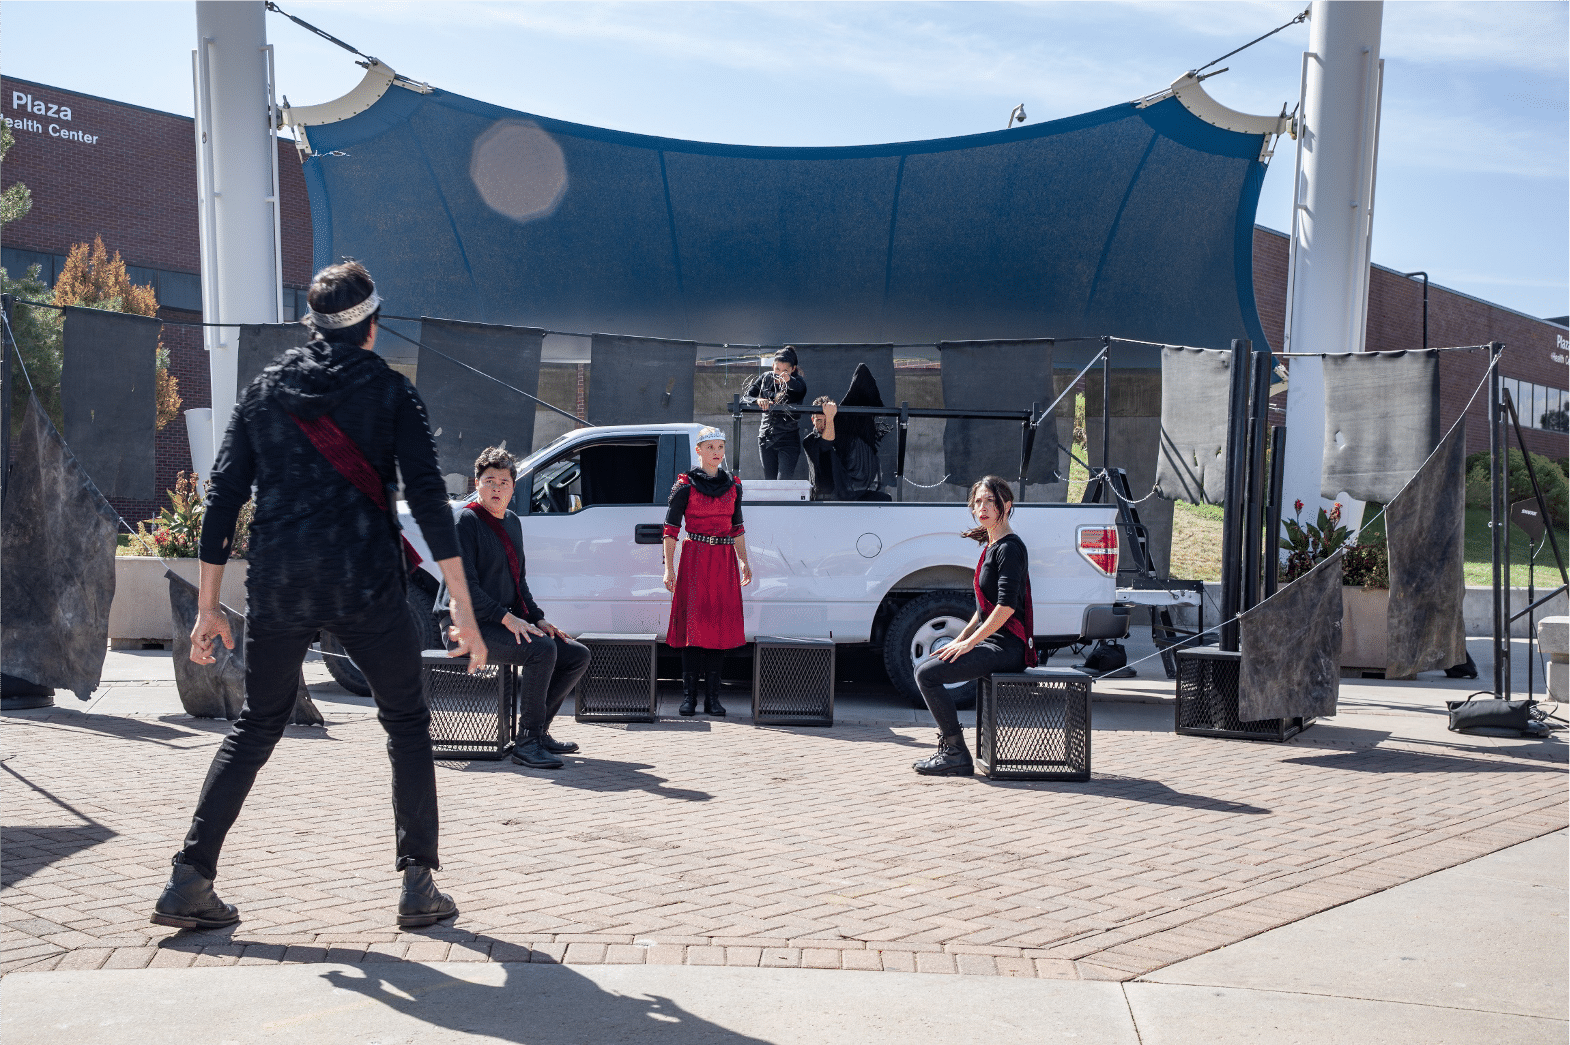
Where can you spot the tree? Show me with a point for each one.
(37, 330)
(92, 279)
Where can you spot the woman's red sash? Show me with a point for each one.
(512, 552)
(1021, 624)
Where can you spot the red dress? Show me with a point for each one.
(706, 609)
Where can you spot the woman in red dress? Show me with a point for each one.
(706, 611)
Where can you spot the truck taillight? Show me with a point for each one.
(1099, 545)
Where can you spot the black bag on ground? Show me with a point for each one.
(1490, 714)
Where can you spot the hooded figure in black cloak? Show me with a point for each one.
(848, 443)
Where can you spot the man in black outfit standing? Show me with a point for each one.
(514, 628)
(322, 434)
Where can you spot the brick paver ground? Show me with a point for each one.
(718, 843)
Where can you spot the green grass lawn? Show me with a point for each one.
(1196, 547)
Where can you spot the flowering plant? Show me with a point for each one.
(177, 531)
(1309, 544)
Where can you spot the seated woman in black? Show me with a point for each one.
(998, 637)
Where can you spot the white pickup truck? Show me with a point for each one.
(895, 575)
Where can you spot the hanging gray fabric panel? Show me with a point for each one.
(57, 543)
(261, 343)
(1291, 647)
(1425, 527)
(640, 380)
(996, 375)
(827, 369)
(1381, 421)
(107, 394)
(468, 412)
(217, 690)
(1192, 461)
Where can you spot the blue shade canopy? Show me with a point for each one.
(1136, 222)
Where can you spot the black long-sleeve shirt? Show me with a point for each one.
(321, 550)
(488, 572)
(1005, 579)
(779, 426)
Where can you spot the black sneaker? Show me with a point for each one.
(531, 752)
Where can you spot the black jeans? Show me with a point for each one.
(933, 674)
(385, 646)
(548, 669)
(779, 459)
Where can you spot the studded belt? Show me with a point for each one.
(704, 538)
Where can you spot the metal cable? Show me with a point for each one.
(329, 37)
(1300, 18)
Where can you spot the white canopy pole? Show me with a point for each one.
(236, 152)
(1332, 225)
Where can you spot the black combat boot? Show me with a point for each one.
(952, 758)
(711, 695)
(188, 902)
(530, 751)
(689, 693)
(420, 904)
(558, 747)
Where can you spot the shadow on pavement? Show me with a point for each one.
(857, 734)
(1397, 761)
(536, 1004)
(591, 774)
(1133, 789)
(26, 850)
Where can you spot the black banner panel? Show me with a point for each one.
(640, 380)
(996, 375)
(469, 412)
(108, 393)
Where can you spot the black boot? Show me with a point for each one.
(420, 904)
(530, 751)
(558, 747)
(188, 902)
(711, 695)
(952, 758)
(689, 693)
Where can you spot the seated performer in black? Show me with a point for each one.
(323, 434)
(817, 446)
(998, 637)
(858, 475)
(514, 628)
(779, 439)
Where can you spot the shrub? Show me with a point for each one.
(176, 533)
(1556, 489)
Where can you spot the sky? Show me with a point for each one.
(1475, 139)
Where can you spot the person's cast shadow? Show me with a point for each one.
(531, 1004)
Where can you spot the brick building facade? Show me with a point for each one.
(129, 174)
(100, 167)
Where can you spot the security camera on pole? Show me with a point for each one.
(237, 192)
(1332, 224)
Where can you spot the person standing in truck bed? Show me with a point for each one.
(779, 438)
(706, 609)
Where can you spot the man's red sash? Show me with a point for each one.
(512, 552)
(349, 461)
(1021, 624)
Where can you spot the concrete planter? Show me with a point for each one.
(140, 611)
(1365, 629)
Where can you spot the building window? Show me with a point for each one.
(1539, 406)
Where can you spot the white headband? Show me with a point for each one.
(348, 317)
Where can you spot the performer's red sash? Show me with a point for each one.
(349, 461)
(512, 552)
(1021, 623)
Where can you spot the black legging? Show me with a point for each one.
(701, 661)
(385, 646)
(548, 670)
(989, 657)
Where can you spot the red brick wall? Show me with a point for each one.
(1395, 322)
(136, 186)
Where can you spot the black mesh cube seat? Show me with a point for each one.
(472, 716)
(1034, 725)
(620, 685)
(1207, 692)
(792, 681)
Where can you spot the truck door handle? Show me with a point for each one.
(648, 533)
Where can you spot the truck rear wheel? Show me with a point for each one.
(923, 626)
(347, 673)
